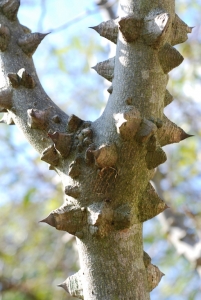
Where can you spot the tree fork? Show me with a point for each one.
(106, 165)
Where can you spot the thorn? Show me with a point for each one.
(128, 122)
(110, 89)
(6, 98)
(56, 119)
(168, 98)
(25, 29)
(72, 191)
(50, 156)
(108, 30)
(185, 135)
(179, 31)
(130, 27)
(62, 142)
(79, 235)
(26, 79)
(146, 130)
(38, 119)
(106, 68)
(169, 58)
(2, 110)
(87, 132)
(156, 28)
(4, 37)
(95, 28)
(49, 220)
(74, 123)
(29, 42)
(14, 80)
(105, 156)
(63, 285)
(51, 168)
(7, 119)
(189, 29)
(155, 158)
(10, 8)
(74, 169)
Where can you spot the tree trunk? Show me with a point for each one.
(106, 165)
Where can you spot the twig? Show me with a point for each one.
(81, 16)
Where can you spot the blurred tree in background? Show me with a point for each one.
(31, 254)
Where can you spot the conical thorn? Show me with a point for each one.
(63, 285)
(10, 8)
(185, 135)
(49, 220)
(95, 28)
(29, 42)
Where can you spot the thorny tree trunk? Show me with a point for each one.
(106, 165)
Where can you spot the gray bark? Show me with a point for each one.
(105, 166)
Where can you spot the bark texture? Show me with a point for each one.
(106, 165)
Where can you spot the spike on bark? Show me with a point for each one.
(10, 8)
(29, 42)
(64, 286)
(6, 99)
(105, 180)
(74, 123)
(4, 37)
(146, 130)
(168, 98)
(110, 89)
(122, 217)
(169, 58)
(155, 158)
(79, 235)
(146, 259)
(171, 133)
(73, 285)
(67, 218)
(7, 119)
(99, 218)
(155, 30)
(14, 80)
(154, 276)
(185, 135)
(26, 79)
(25, 29)
(75, 167)
(56, 119)
(150, 205)
(130, 27)
(2, 110)
(105, 156)
(72, 191)
(62, 142)
(179, 31)
(129, 101)
(128, 123)
(37, 119)
(87, 132)
(50, 156)
(89, 157)
(106, 68)
(108, 30)
(49, 220)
